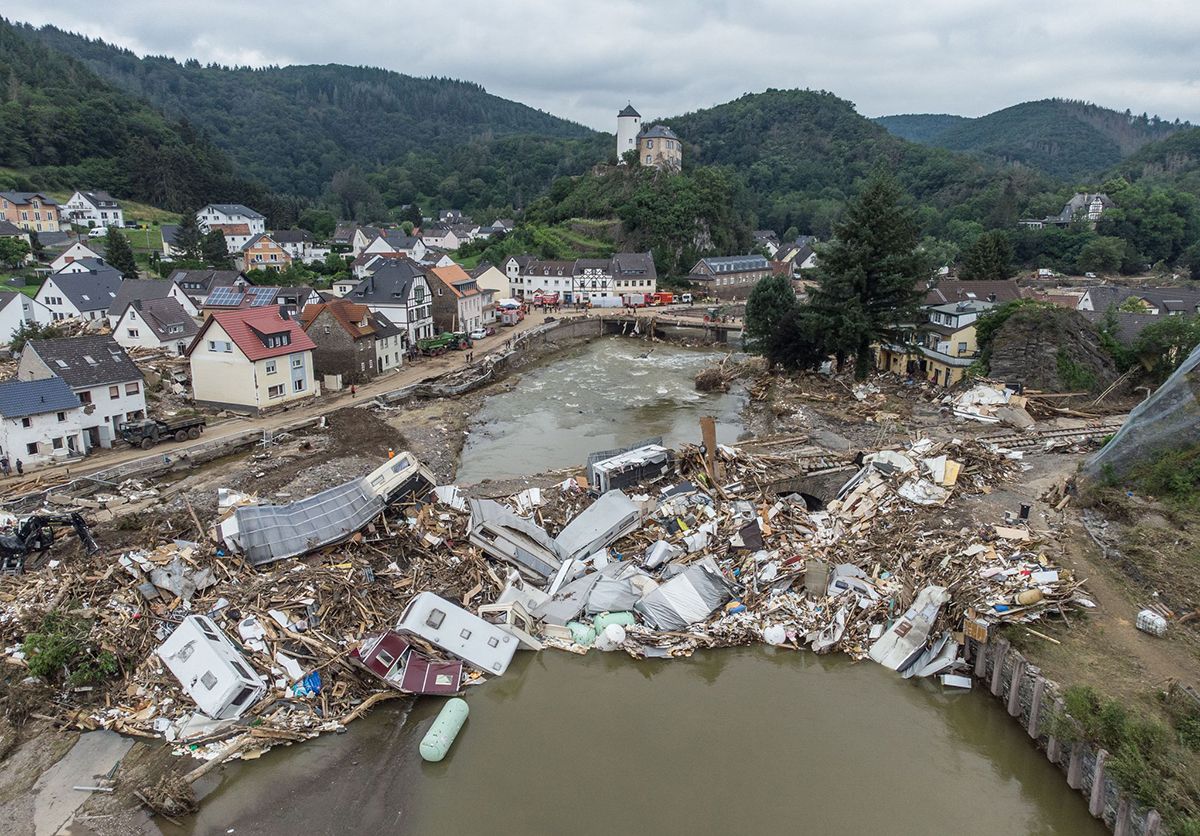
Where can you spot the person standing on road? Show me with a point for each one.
(20, 468)
(4, 465)
(352, 392)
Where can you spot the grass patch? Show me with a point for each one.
(470, 262)
(1158, 763)
(144, 239)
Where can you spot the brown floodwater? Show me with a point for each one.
(744, 740)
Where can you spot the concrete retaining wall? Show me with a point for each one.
(1033, 701)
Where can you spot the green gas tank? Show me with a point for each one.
(437, 741)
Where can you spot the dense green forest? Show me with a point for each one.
(293, 128)
(1065, 139)
(919, 127)
(63, 127)
(1173, 161)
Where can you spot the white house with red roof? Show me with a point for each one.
(251, 359)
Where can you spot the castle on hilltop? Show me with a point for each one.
(658, 146)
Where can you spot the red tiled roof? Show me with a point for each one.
(242, 325)
(349, 314)
(953, 290)
(232, 229)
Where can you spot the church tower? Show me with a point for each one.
(629, 125)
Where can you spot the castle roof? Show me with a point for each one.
(658, 131)
(629, 111)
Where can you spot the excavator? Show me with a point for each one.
(35, 535)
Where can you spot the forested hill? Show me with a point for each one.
(63, 127)
(1173, 161)
(1066, 139)
(293, 128)
(800, 153)
(919, 127)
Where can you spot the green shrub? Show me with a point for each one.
(62, 650)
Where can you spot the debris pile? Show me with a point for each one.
(229, 647)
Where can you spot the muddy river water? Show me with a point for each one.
(605, 394)
(743, 740)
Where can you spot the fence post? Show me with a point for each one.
(998, 668)
(1035, 710)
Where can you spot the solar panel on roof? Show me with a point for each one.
(263, 296)
(226, 296)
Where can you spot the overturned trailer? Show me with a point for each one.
(502, 535)
(642, 463)
(393, 659)
(479, 643)
(266, 533)
(605, 521)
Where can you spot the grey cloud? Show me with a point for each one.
(583, 61)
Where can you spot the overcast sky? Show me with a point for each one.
(584, 61)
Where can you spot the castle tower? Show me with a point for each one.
(629, 125)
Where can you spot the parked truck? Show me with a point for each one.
(634, 300)
(660, 298)
(149, 431)
(434, 346)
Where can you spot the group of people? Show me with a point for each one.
(6, 468)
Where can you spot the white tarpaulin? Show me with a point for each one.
(689, 597)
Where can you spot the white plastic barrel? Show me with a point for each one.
(775, 634)
(611, 638)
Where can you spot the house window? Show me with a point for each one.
(962, 348)
(26, 422)
(62, 416)
(114, 392)
(275, 391)
(649, 143)
(57, 443)
(298, 385)
(132, 332)
(647, 159)
(132, 388)
(272, 367)
(85, 397)
(31, 448)
(298, 362)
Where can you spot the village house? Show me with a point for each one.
(230, 214)
(31, 211)
(240, 295)
(155, 323)
(796, 258)
(297, 243)
(729, 277)
(144, 289)
(84, 290)
(94, 209)
(1083, 206)
(457, 302)
(441, 236)
(75, 252)
(11, 230)
(292, 300)
(349, 238)
(634, 273)
(17, 310)
(198, 284)
(108, 384)
(347, 337)
(659, 147)
(251, 360)
(1153, 301)
(436, 258)
(168, 232)
(767, 240)
(542, 278)
(236, 235)
(39, 421)
(341, 287)
(493, 284)
(400, 291)
(263, 252)
(514, 268)
(453, 216)
(591, 278)
(943, 346)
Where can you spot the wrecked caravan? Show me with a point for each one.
(266, 533)
(640, 464)
(605, 521)
(503, 535)
(210, 669)
(392, 658)
(448, 626)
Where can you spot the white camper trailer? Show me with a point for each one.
(210, 669)
(448, 626)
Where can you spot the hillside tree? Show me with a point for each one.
(119, 253)
(871, 277)
(770, 301)
(188, 238)
(214, 251)
(990, 259)
(14, 251)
